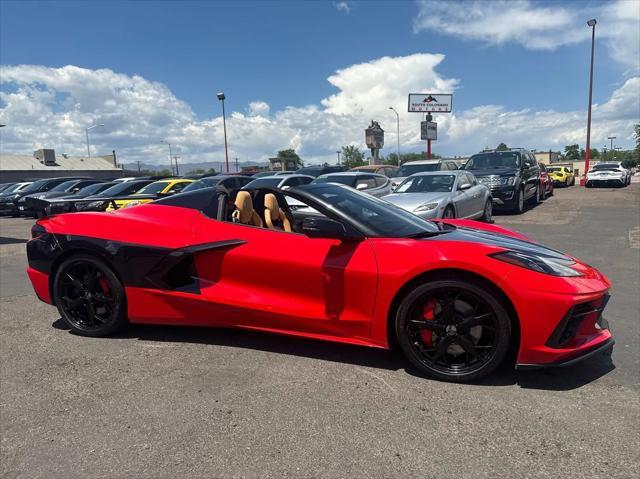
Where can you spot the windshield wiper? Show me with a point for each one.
(428, 234)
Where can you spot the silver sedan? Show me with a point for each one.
(443, 194)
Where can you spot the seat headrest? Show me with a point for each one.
(271, 204)
(244, 206)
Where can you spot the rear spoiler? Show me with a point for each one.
(58, 206)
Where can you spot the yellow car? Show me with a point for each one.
(561, 175)
(151, 192)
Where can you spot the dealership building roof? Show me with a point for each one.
(46, 164)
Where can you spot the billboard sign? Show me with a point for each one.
(426, 102)
(428, 130)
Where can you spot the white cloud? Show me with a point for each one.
(537, 25)
(50, 107)
(343, 7)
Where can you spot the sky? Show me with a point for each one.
(312, 75)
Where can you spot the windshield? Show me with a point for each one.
(203, 183)
(408, 170)
(349, 180)
(380, 218)
(268, 182)
(35, 186)
(122, 188)
(493, 160)
(92, 189)
(64, 186)
(309, 170)
(12, 188)
(154, 188)
(427, 184)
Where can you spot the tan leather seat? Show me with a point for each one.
(244, 212)
(274, 217)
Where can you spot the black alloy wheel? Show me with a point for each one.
(89, 296)
(453, 330)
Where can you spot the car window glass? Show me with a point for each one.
(177, 187)
(380, 181)
(370, 181)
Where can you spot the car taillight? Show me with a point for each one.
(37, 231)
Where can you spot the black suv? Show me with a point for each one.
(511, 175)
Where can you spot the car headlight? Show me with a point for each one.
(539, 263)
(426, 207)
(90, 205)
(508, 180)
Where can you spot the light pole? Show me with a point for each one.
(592, 24)
(170, 156)
(221, 97)
(611, 138)
(338, 152)
(87, 133)
(398, 125)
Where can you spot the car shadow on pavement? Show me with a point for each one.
(552, 379)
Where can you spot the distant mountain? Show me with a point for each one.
(186, 168)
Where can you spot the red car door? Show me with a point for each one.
(287, 282)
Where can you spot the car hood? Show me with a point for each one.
(468, 234)
(495, 172)
(410, 201)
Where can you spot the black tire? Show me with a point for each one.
(449, 213)
(487, 214)
(536, 198)
(89, 296)
(518, 206)
(468, 336)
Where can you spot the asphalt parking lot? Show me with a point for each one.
(186, 402)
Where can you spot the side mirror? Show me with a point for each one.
(322, 227)
(285, 187)
(464, 186)
(361, 186)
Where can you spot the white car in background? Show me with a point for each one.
(412, 167)
(605, 174)
(371, 183)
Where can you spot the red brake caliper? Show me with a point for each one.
(104, 284)
(428, 313)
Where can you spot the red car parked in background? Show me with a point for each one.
(546, 182)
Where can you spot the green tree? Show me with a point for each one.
(352, 156)
(636, 150)
(211, 170)
(290, 154)
(502, 147)
(572, 152)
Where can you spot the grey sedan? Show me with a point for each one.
(440, 194)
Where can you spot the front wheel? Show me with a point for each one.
(449, 213)
(453, 330)
(487, 215)
(519, 204)
(89, 296)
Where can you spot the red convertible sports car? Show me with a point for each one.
(330, 263)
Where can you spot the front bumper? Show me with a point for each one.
(603, 346)
(504, 197)
(8, 208)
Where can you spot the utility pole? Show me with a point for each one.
(222, 98)
(175, 158)
(398, 127)
(338, 152)
(592, 24)
(138, 162)
(237, 170)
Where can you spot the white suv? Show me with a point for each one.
(608, 174)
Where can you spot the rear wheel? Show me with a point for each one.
(453, 330)
(89, 296)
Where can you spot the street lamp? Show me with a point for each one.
(592, 24)
(611, 138)
(221, 97)
(87, 133)
(398, 125)
(338, 152)
(170, 157)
